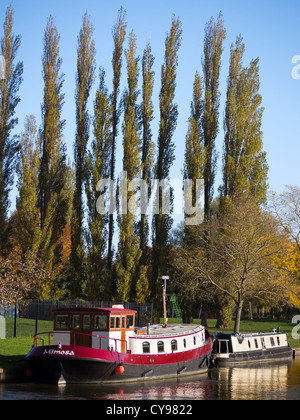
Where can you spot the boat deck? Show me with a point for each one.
(171, 330)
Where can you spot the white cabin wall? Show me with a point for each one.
(60, 337)
(136, 343)
(244, 346)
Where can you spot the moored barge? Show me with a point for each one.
(102, 345)
(231, 349)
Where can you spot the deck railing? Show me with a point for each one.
(37, 339)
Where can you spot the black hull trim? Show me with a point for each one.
(252, 357)
(58, 370)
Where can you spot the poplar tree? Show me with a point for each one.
(129, 252)
(194, 159)
(84, 80)
(119, 32)
(53, 198)
(10, 82)
(147, 161)
(97, 169)
(244, 161)
(28, 231)
(211, 63)
(148, 146)
(162, 223)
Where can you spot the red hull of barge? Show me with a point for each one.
(75, 364)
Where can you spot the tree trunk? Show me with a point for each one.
(238, 317)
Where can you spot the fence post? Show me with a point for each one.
(15, 322)
(36, 316)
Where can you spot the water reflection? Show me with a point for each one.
(251, 383)
(273, 382)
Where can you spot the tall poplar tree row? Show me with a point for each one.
(162, 223)
(129, 251)
(84, 81)
(213, 47)
(245, 167)
(53, 197)
(119, 33)
(9, 144)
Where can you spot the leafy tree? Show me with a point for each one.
(286, 209)
(84, 81)
(148, 147)
(97, 169)
(53, 197)
(119, 33)
(129, 252)
(244, 161)
(162, 223)
(194, 159)
(9, 99)
(28, 233)
(235, 257)
(211, 63)
(21, 280)
(147, 161)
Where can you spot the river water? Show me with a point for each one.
(277, 381)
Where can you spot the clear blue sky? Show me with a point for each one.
(270, 30)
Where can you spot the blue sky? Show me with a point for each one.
(270, 30)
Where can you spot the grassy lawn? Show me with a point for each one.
(13, 350)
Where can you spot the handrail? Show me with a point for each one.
(100, 336)
(36, 338)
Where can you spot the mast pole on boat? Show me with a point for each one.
(165, 278)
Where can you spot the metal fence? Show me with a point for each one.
(37, 311)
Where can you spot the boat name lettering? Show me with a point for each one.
(59, 352)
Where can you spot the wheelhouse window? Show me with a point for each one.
(160, 347)
(129, 322)
(112, 322)
(86, 322)
(146, 347)
(174, 345)
(184, 343)
(278, 341)
(223, 346)
(123, 322)
(272, 341)
(61, 322)
(75, 322)
(256, 343)
(118, 322)
(194, 340)
(101, 322)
